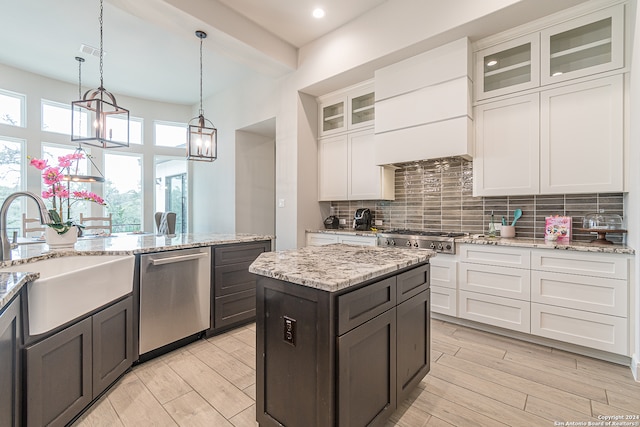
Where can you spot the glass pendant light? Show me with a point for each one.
(202, 139)
(75, 177)
(97, 119)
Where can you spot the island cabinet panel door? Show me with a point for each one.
(112, 344)
(294, 379)
(59, 376)
(10, 366)
(414, 325)
(367, 372)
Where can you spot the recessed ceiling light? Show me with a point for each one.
(492, 63)
(318, 13)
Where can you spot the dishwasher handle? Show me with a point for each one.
(179, 258)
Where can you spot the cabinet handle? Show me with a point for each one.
(162, 261)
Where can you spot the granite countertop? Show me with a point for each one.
(336, 266)
(548, 244)
(349, 231)
(117, 244)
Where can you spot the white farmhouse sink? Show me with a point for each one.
(71, 286)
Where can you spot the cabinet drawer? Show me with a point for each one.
(232, 278)
(319, 239)
(356, 307)
(606, 296)
(599, 331)
(586, 264)
(498, 311)
(234, 308)
(444, 301)
(443, 272)
(493, 280)
(495, 255)
(236, 253)
(412, 283)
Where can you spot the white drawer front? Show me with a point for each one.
(444, 272)
(498, 311)
(319, 239)
(493, 280)
(586, 264)
(596, 294)
(358, 240)
(443, 300)
(495, 255)
(599, 331)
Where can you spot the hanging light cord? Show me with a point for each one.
(201, 111)
(80, 60)
(101, 51)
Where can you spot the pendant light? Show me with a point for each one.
(75, 177)
(202, 139)
(95, 117)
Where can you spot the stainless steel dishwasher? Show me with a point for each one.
(175, 296)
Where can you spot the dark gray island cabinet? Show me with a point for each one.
(342, 333)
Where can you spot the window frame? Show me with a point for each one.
(23, 106)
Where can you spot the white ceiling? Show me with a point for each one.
(151, 49)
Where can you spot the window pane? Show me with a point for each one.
(170, 134)
(123, 191)
(71, 208)
(10, 180)
(171, 189)
(56, 117)
(12, 108)
(119, 128)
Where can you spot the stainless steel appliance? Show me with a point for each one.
(439, 241)
(362, 219)
(175, 296)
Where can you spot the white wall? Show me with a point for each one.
(255, 183)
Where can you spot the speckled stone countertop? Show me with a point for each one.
(548, 244)
(117, 244)
(336, 266)
(349, 231)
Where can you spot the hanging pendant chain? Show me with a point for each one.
(201, 111)
(79, 79)
(101, 10)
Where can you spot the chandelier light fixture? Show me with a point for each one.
(97, 119)
(75, 176)
(202, 139)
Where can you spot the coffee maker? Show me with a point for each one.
(362, 219)
(332, 221)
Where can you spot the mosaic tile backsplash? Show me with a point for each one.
(438, 195)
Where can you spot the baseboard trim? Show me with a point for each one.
(635, 366)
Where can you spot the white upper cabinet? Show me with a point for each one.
(333, 168)
(508, 67)
(581, 137)
(506, 161)
(587, 45)
(349, 109)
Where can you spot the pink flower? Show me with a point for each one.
(47, 194)
(61, 191)
(65, 161)
(51, 176)
(39, 164)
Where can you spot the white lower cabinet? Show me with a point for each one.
(319, 239)
(444, 284)
(599, 331)
(576, 297)
(506, 313)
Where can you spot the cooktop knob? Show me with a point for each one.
(448, 247)
(415, 244)
(408, 243)
(432, 245)
(439, 246)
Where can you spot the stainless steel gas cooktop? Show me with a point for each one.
(439, 241)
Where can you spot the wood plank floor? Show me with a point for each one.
(476, 379)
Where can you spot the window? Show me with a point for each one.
(171, 189)
(123, 191)
(56, 117)
(119, 127)
(12, 108)
(170, 134)
(51, 152)
(11, 180)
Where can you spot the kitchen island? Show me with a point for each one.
(342, 333)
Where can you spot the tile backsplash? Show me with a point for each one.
(438, 195)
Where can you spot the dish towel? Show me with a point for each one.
(163, 227)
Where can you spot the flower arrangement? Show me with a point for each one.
(62, 198)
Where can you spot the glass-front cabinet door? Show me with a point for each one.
(587, 45)
(362, 107)
(508, 67)
(333, 117)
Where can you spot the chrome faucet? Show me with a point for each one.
(5, 249)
